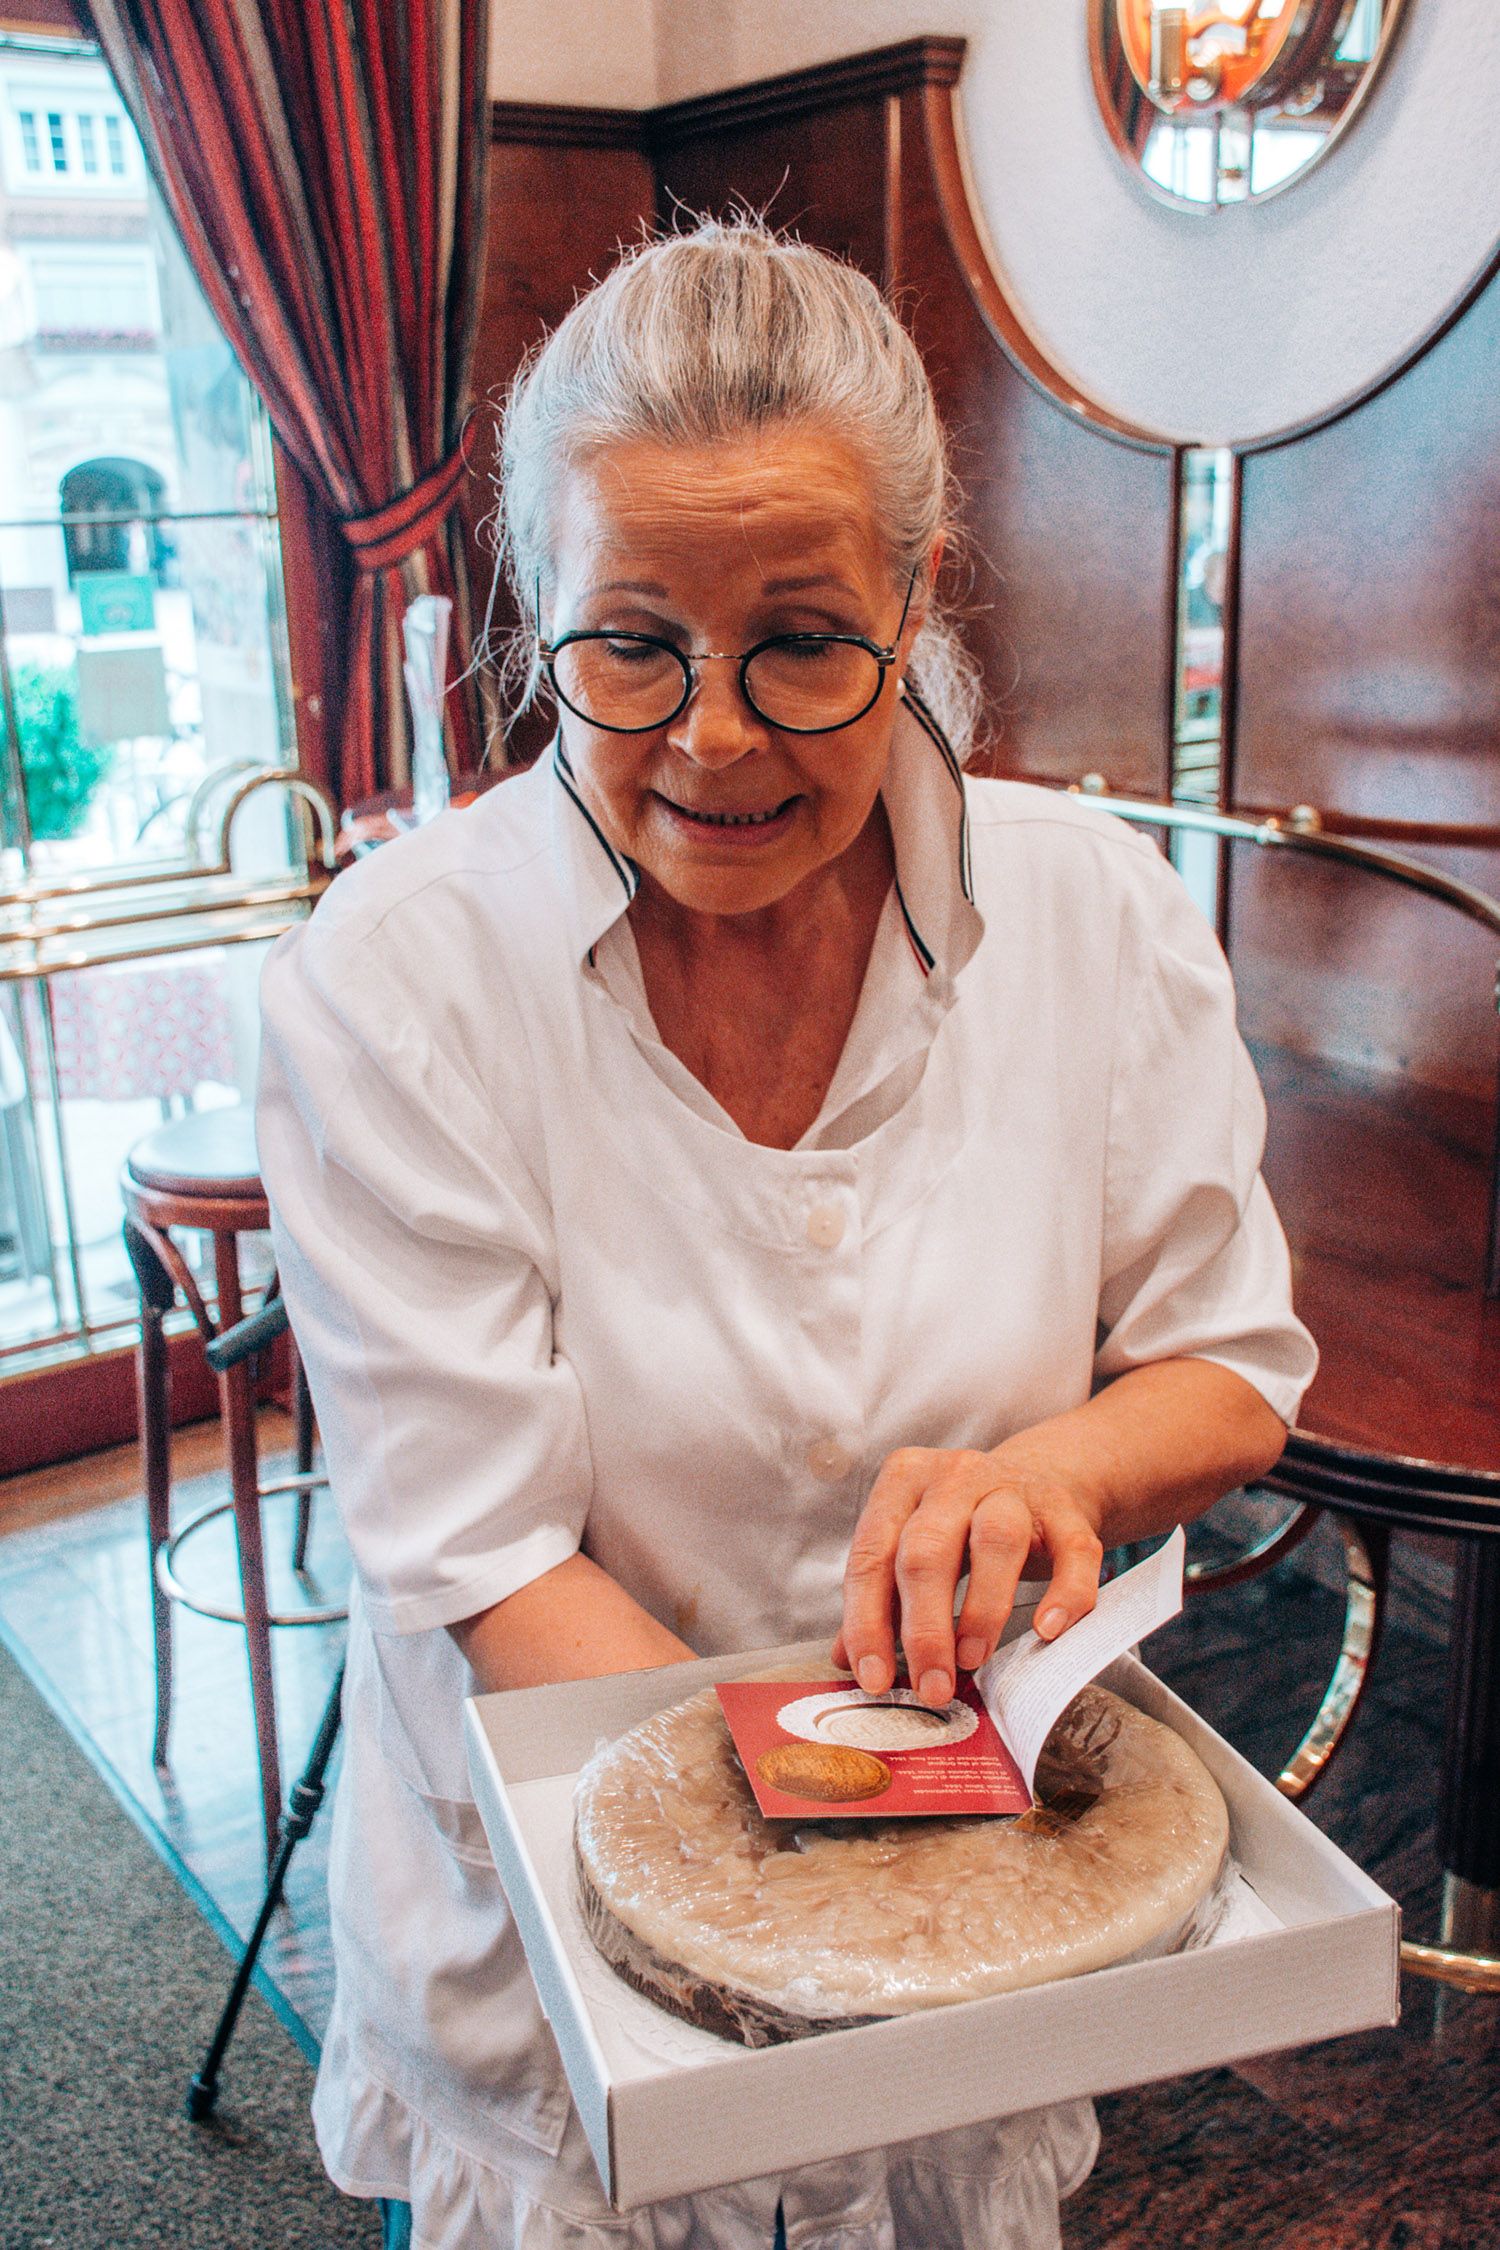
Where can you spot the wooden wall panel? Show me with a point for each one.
(58, 16)
(1367, 682)
(826, 183)
(1385, 1203)
(1334, 964)
(78, 1406)
(1069, 518)
(1370, 597)
(567, 187)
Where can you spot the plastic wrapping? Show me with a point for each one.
(764, 1930)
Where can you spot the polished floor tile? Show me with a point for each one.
(1384, 2141)
(75, 1610)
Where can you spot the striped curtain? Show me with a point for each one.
(326, 164)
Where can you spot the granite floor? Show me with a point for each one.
(75, 1612)
(1386, 2141)
(1382, 2142)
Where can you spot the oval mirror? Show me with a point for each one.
(1230, 100)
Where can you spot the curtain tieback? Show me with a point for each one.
(398, 527)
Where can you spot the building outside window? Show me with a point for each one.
(62, 135)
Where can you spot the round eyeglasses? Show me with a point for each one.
(803, 683)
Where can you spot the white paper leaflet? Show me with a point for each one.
(1029, 1683)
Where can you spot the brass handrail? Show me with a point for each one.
(297, 784)
(1300, 829)
(207, 894)
(211, 927)
(213, 781)
(1447, 1964)
(187, 907)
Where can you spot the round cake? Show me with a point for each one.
(768, 1930)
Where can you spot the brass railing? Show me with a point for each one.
(53, 927)
(1300, 830)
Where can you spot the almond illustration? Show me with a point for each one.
(827, 1773)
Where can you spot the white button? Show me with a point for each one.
(825, 1226)
(829, 1460)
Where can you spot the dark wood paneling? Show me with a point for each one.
(813, 91)
(812, 149)
(559, 211)
(567, 187)
(42, 15)
(826, 184)
(77, 1407)
(559, 125)
(1368, 683)
(1330, 963)
(1383, 1188)
(1069, 519)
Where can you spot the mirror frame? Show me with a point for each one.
(1113, 73)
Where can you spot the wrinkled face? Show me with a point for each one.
(717, 548)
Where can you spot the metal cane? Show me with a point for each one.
(237, 1343)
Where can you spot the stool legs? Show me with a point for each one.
(1367, 1547)
(153, 1382)
(237, 1397)
(1469, 1806)
(302, 1407)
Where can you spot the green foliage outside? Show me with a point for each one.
(62, 773)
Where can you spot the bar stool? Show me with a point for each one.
(201, 1171)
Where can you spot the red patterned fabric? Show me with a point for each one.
(326, 163)
(139, 1032)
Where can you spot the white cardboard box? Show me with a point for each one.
(1324, 1960)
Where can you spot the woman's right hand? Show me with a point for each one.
(934, 1514)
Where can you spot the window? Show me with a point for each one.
(141, 609)
(81, 292)
(62, 141)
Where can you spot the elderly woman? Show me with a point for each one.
(737, 1181)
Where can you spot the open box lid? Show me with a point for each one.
(670, 2110)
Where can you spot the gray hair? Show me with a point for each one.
(696, 338)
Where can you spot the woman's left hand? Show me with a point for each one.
(930, 1516)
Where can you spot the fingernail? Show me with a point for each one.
(935, 1687)
(971, 1652)
(1051, 1622)
(871, 1674)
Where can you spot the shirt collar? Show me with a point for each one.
(598, 882)
(925, 804)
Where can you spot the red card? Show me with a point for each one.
(823, 1750)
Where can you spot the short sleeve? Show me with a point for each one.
(1195, 1263)
(414, 1249)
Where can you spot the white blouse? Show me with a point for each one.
(549, 1296)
